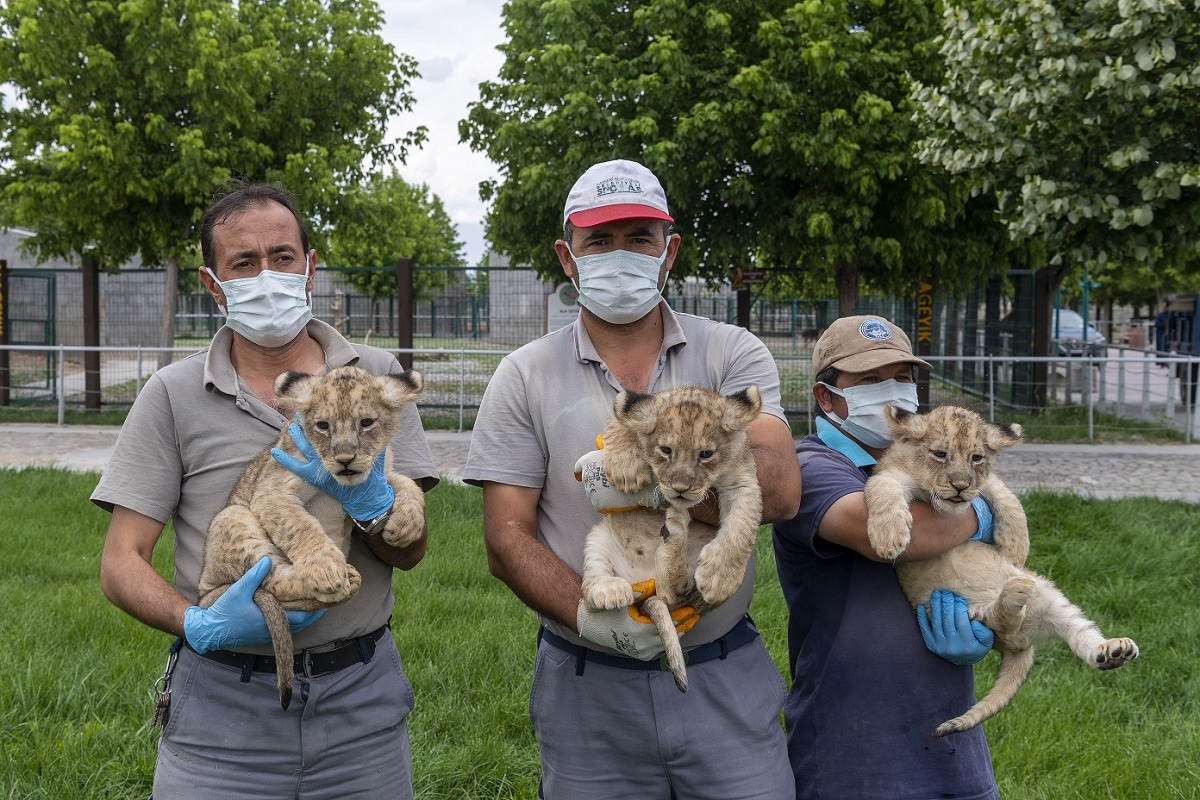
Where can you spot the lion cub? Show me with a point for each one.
(945, 457)
(350, 417)
(686, 440)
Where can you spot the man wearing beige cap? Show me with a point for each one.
(608, 718)
(871, 680)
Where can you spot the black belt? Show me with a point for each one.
(359, 650)
(742, 633)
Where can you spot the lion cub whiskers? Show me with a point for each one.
(945, 457)
(688, 441)
(349, 416)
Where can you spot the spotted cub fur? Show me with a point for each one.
(945, 457)
(685, 441)
(349, 416)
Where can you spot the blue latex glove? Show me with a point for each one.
(363, 501)
(234, 620)
(983, 517)
(950, 633)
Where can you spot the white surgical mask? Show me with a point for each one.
(864, 409)
(269, 309)
(619, 286)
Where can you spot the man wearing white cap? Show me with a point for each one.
(871, 680)
(608, 718)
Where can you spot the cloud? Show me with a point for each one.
(455, 43)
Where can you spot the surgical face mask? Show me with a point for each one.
(864, 409)
(269, 309)
(619, 286)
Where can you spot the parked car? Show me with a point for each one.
(1069, 337)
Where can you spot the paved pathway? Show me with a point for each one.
(1170, 472)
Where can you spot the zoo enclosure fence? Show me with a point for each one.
(1127, 386)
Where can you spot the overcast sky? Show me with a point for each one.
(455, 42)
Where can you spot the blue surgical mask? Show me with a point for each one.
(864, 409)
(619, 286)
(269, 309)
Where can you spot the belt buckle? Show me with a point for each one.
(306, 663)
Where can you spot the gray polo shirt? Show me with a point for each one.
(190, 433)
(548, 400)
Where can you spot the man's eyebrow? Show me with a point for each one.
(253, 253)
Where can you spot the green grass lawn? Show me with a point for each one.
(75, 698)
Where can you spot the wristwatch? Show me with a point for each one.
(373, 526)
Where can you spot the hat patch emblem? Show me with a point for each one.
(618, 186)
(875, 330)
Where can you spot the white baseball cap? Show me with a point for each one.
(613, 190)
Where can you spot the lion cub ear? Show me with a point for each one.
(294, 388)
(1000, 435)
(903, 423)
(741, 408)
(405, 387)
(635, 410)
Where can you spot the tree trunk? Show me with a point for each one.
(845, 278)
(166, 328)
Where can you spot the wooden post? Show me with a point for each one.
(924, 343)
(4, 300)
(91, 334)
(404, 311)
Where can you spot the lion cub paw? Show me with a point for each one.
(718, 575)
(1114, 653)
(889, 532)
(607, 592)
(626, 472)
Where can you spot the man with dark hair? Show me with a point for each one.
(871, 680)
(608, 718)
(194, 427)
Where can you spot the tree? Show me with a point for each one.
(129, 113)
(1080, 118)
(386, 218)
(782, 133)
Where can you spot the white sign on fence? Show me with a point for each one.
(561, 309)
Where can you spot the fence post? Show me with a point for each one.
(4, 373)
(91, 334)
(404, 310)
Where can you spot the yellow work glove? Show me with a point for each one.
(684, 617)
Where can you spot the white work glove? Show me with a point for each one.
(626, 629)
(606, 499)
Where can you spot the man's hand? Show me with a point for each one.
(684, 617)
(983, 517)
(949, 631)
(363, 501)
(234, 620)
(604, 496)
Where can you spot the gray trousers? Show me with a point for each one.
(344, 735)
(615, 733)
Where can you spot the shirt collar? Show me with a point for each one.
(218, 366)
(836, 440)
(673, 336)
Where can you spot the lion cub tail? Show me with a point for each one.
(657, 610)
(281, 640)
(1014, 669)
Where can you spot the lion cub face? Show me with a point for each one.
(949, 451)
(349, 415)
(689, 436)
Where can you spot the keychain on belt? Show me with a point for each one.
(162, 689)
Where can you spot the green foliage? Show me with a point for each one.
(781, 132)
(385, 218)
(1079, 117)
(129, 114)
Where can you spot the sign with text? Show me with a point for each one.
(924, 343)
(747, 277)
(561, 309)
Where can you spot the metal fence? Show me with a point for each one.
(1131, 390)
